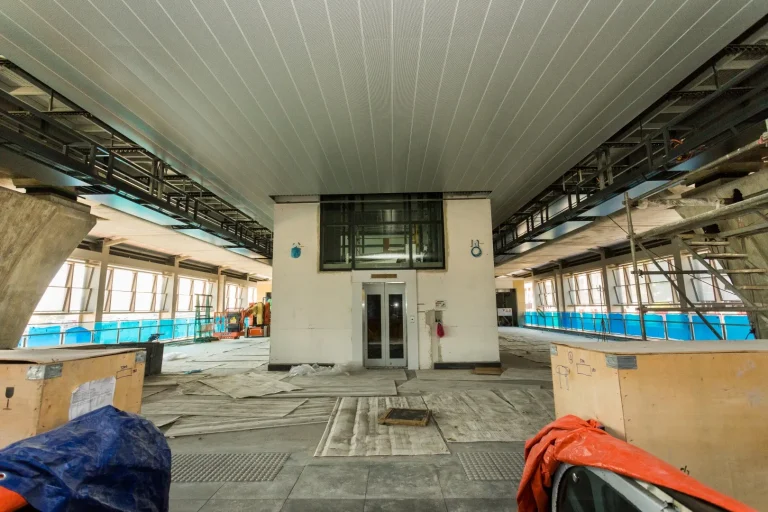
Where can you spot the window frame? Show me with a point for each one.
(408, 202)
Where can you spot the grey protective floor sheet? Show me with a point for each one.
(479, 416)
(353, 430)
(340, 386)
(245, 385)
(204, 406)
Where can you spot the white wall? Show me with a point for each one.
(316, 314)
(311, 310)
(466, 285)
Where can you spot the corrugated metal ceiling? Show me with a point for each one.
(279, 97)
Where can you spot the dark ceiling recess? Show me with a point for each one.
(53, 133)
(716, 108)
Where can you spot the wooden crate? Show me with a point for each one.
(702, 407)
(37, 386)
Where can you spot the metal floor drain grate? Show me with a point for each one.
(492, 465)
(226, 467)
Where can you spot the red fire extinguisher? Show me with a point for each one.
(440, 330)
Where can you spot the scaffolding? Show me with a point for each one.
(714, 244)
(203, 319)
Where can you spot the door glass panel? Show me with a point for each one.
(396, 326)
(375, 333)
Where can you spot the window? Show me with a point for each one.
(654, 288)
(585, 291)
(134, 291)
(69, 291)
(546, 290)
(188, 288)
(233, 296)
(252, 294)
(382, 232)
(707, 287)
(528, 296)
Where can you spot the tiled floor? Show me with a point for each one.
(362, 484)
(397, 487)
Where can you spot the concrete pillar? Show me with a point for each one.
(175, 287)
(37, 234)
(220, 289)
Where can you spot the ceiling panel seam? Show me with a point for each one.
(368, 89)
(482, 98)
(522, 103)
(511, 85)
(344, 89)
(461, 94)
(437, 99)
(415, 90)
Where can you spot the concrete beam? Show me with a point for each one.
(37, 234)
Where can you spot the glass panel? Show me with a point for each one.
(185, 303)
(431, 211)
(381, 246)
(375, 213)
(122, 279)
(143, 301)
(81, 275)
(185, 286)
(78, 299)
(145, 282)
(427, 245)
(396, 326)
(52, 300)
(374, 336)
(198, 287)
(336, 247)
(120, 301)
(60, 279)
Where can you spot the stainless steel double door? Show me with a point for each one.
(384, 329)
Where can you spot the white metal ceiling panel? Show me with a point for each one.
(258, 98)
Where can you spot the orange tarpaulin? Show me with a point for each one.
(578, 442)
(10, 501)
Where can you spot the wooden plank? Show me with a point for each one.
(706, 413)
(585, 387)
(353, 430)
(245, 385)
(213, 406)
(478, 416)
(666, 347)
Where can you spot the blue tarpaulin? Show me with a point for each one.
(105, 460)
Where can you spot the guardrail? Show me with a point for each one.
(123, 331)
(663, 326)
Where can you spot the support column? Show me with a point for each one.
(102, 283)
(604, 275)
(679, 277)
(220, 289)
(175, 287)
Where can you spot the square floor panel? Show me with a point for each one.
(226, 467)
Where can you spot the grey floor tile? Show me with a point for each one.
(194, 490)
(331, 482)
(397, 481)
(455, 484)
(279, 488)
(242, 506)
(323, 506)
(186, 505)
(404, 506)
(481, 505)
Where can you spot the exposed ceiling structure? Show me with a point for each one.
(272, 97)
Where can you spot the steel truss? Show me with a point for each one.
(66, 138)
(712, 117)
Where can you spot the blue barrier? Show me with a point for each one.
(658, 326)
(124, 331)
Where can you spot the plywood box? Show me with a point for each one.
(702, 407)
(41, 389)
